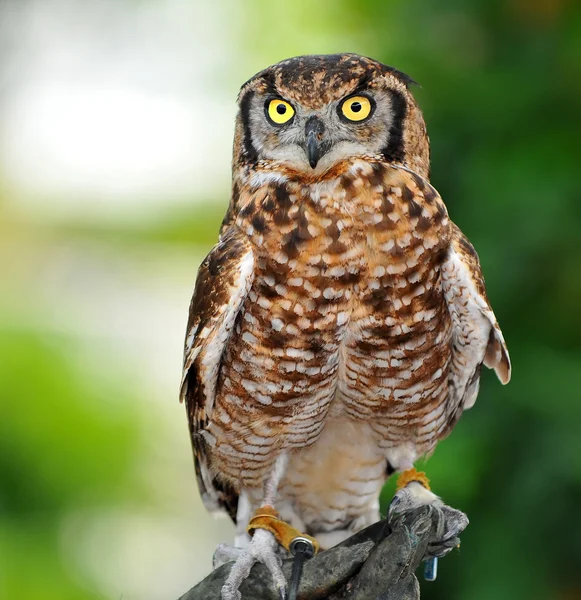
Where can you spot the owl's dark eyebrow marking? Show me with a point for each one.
(249, 148)
(394, 149)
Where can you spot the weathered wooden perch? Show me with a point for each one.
(377, 563)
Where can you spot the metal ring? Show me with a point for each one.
(308, 549)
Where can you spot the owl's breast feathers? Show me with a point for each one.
(350, 295)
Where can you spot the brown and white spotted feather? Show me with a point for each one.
(342, 319)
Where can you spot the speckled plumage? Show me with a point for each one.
(342, 319)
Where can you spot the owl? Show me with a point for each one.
(338, 328)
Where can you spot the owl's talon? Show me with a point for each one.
(262, 548)
(395, 501)
(410, 497)
(225, 554)
(450, 523)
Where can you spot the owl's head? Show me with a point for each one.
(310, 112)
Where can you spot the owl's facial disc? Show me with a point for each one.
(311, 138)
(311, 113)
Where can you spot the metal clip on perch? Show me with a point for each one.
(301, 548)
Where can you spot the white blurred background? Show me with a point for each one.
(113, 116)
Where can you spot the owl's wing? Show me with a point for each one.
(476, 336)
(223, 282)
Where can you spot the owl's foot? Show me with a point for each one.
(267, 518)
(414, 492)
(262, 548)
(225, 553)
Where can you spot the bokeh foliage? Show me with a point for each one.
(501, 92)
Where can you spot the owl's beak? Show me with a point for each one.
(314, 130)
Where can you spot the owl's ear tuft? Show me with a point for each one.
(265, 79)
(405, 79)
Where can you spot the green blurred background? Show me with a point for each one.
(116, 121)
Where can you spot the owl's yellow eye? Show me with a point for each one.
(356, 108)
(279, 111)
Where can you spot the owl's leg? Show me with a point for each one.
(263, 546)
(413, 491)
(226, 553)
